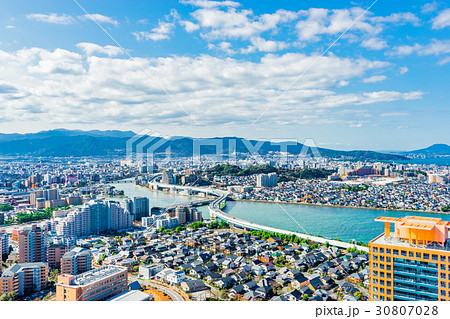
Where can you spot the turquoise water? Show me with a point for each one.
(330, 222)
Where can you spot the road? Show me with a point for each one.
(174, 295)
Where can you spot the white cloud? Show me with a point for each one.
(91, 48)
(429, 7)
(403, 70)
(238, 24)
(222, 46)
(161, 32)
(51, 18)
(210, 4)
(398, 19)
(394, 114)
(189, 26)
(64, 87)
(442, 20)
(435, 47)
(375, 78)
(99, 18)
(444, 61)
(10, 27)
(262, 45)
(374, 44)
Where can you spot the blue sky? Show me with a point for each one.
(231, 68)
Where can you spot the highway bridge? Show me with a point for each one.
(216, 213)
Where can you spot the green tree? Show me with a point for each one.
(223, 295)
(305, 297)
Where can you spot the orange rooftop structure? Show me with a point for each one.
(417, 230)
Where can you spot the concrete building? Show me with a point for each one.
(32, 244)
(24, 278)
(167, 178)
(411, 263)
(139, 207)
(167, 223)
(94, 217)
(4, 242)
(97, 284)
(41, 196)
(147, 272)
(76, 261)
(54, 254)
(266, 180)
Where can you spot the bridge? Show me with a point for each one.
(216, 213)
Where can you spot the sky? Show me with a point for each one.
(349, 75)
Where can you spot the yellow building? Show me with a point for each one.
(412, 262)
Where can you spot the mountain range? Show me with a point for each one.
(76, 143)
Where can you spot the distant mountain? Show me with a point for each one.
(64, 143)
(435, 149)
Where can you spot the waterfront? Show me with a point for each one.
(330, 222)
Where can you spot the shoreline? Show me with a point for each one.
(312, 204)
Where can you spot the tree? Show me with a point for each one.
(358, 295)
(223, 294)
(53, 275)
(305, 297)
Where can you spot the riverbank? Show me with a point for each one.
(342, 206)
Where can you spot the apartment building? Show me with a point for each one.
(76, 261)
(54, 254)
(97, 284)
(4, 242)
(24, 278)
(32, 243)
(412, 262)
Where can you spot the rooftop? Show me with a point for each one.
(133, 295)
(96, 274)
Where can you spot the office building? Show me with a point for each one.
(24, 278)
(54, 254)
(32, 243)
(39, 197)
(97, 284)
(4, 243)
(2, 218)
(167, 223)
(76, 261)
(139, 207)
(412, 262)
(167, 178)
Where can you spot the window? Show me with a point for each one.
(388, 267)
(375, 249)
(443, 258)
(388, 251)
(395, 252)
(443, 293)
(443, 285)
(443, 267)
(388, 283)
(388, 291)
(418, 255)
(411, 254)
(434, 257)
(388, 259)
(443, 276)
(381, 250)
(403, 253)
(426, 256)
(382, 282)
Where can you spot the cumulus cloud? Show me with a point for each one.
(375, 78)
(161, 32)
(429, 7)
(51, 18)
(374, 44)
(435, 47)
(403, 70)
(189, 26)
(68, 87)
(442, 20)
(99, 18)
(91, 48)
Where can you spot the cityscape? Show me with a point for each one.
(199, 150)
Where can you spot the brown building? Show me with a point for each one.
(54, 254)
(32, 243)
(24, 278)
(97, 284)
(76, 261)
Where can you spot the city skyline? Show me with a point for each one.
(223, 64)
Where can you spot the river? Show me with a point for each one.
(330, 222)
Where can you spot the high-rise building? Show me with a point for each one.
(266, 180)
(24, 278)
(2, 218)
(76, 261)
(139, 207)
(97, 284)
(167, 178)
(32, 244)
(54, 254)
(94, 217)
(4, 242)
(39, 197)
(412, 262)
